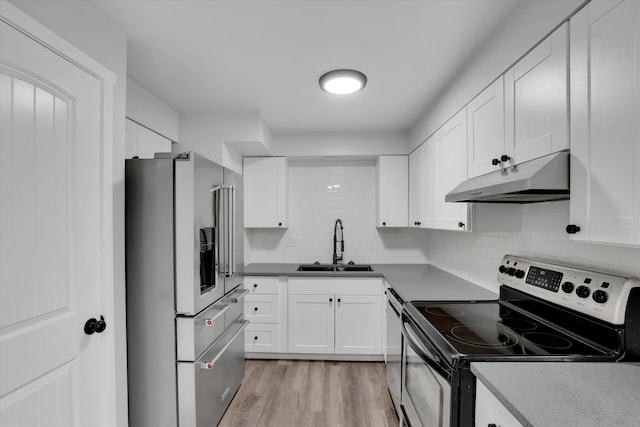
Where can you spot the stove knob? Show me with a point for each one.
(583, 291)
(511, 271)
(502, 269)
(567, 287)
(600, 296)
(519, 274)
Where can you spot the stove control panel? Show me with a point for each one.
(597, 294)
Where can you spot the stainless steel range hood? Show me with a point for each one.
(539, 180)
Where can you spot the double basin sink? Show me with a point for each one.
(335, 267)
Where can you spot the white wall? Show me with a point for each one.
(143, 107)
(82, 25)
(529, 23)
(316, 202)
(476, 256)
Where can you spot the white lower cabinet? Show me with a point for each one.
(264, 309)
(490, 411)
(335, 316)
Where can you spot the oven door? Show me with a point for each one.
(426, 391)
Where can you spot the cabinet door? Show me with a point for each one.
(358, 324)
(131, 139)
(393, 191)
(428, 183)
(415, 187)
(150, 143)
(605, 129)
(485, 127)
(536, 100)
(451, 170)
(489, 410)
(311, 323)
(265, 189)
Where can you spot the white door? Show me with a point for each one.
(605, 125)
(311, 323)
(51, 219)
(485, 115)
(358, 324)
(451, 170)
(536, 100)
(415, 187)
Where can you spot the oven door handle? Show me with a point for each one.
(424, 350)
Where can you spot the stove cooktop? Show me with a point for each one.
(487, 328)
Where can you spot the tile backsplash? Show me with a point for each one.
(319, 193)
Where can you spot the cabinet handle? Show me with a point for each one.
(505, 158)
(572, 229)
(495, 162)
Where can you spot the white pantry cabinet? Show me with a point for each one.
(451, 170)
(335, 316)
(265, 192)
(537, 101)
(490, 411)
(485, 127)
(144, 143)
(605, 123)
(393, 191)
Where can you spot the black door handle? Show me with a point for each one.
(94, 325)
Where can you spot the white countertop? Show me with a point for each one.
(551, 394)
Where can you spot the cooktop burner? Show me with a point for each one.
(490, 328)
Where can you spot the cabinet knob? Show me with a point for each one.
(572, 229)
(338, 299)
(255, 308)
(279, 224)
(255, 338)
(384, 223)
(492, 425)
(495, 162)
(330, 299)
(461, 224)
(505, 158)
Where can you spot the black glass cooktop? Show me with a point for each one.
(491, 328)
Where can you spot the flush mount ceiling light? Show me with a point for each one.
(343, 82)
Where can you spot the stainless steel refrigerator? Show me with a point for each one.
(184, 266)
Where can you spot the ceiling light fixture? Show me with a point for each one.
(343, 82)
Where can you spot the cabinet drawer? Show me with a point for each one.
(262, 338)
(262, 308)
(262, 285)
(336, 286)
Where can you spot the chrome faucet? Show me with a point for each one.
(337, 258)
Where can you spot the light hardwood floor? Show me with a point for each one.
(301, 393)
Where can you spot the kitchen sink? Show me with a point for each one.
(332, 267)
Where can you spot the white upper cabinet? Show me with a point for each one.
(144, 143)
(427, 198)
(536, 100)
(605, 122)
(393, 191)
(415, 187)
(265, 192)
(451, 170)
(485, 127)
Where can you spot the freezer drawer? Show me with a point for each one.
(235, 301)
(206, 386)
(195, 334)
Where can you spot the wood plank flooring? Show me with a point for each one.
(283, 393)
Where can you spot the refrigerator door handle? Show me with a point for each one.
(232, 227)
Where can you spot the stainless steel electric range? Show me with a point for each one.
(545, 312)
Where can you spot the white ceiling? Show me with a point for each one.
(267, 56)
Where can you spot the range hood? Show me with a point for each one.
(539, 180)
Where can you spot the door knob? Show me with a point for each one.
(94, 325)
